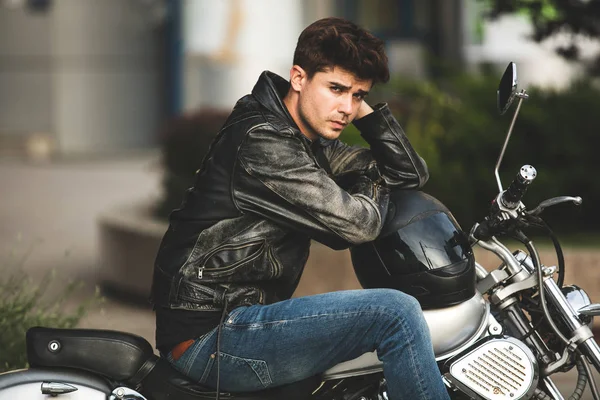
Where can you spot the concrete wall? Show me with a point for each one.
(105, 75)
(86, 71)
(25, 72)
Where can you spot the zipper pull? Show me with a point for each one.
(200, 272)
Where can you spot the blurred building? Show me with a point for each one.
(79, 76)
(99, 77)
(228, 43)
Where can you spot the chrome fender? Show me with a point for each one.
(27, 384)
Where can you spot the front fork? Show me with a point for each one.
(582, 337)
(522, 273)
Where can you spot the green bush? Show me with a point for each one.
(24, 305)
(561, 128)
(553, 133)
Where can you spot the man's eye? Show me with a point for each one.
(336, 89)
(359, 96)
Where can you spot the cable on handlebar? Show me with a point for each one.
(583, 369)
(540, 223)
(588, 370)
(535, 257)
(529, 221)
(536, 262)
(582, 379)
(520, 237)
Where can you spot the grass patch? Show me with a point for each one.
(24, 304)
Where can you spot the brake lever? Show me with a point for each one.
(552, 202)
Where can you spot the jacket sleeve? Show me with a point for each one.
(278, 179)
(390, 151)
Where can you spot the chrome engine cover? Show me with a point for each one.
(496, 368)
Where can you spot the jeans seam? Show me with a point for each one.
(268, 373)
(196, 349)
(250, 362)
(414, 360)
(207, 370)
(342, 314)
(409, 333)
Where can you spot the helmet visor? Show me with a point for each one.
(429, 243)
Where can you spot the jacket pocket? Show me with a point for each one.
(248, 261)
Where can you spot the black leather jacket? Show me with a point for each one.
(243, 231)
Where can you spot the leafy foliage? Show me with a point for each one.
(24, 305)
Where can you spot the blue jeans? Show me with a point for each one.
(270, 345)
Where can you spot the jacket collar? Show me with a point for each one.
(269, 91)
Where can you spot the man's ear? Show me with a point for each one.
(297, 77)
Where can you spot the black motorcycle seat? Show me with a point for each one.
(128, 358)
(117, 355)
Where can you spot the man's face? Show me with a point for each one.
(328, 101)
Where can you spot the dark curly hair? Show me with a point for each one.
(337, 42)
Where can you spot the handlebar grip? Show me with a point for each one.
(517, 188)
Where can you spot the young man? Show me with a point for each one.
(275, 178)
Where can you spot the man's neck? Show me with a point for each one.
(291, 103)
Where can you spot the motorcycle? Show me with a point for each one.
(505, 342)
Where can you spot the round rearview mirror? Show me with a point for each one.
(507, 88)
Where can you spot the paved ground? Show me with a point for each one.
(48, 217)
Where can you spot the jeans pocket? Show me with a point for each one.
(189, 360)
(237, 373)
(232, 316)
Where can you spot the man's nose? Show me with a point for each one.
(346, 104)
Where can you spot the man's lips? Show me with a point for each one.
(339, 124)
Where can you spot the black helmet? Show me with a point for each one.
(421, 251)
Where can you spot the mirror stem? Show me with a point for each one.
(523, 95)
